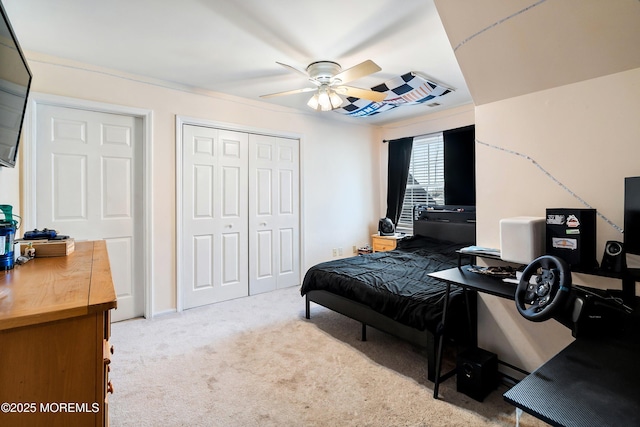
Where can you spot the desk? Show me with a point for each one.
(476, 282)
(460, 276)
(592, 382)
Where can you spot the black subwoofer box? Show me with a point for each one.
(477, 373)
(571, 235)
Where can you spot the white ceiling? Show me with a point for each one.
(232, 46)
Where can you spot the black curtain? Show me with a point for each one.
(398, 172)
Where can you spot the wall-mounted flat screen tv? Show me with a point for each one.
(15, 82)
(632, 225)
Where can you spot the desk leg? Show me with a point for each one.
(473, 328)
(436, 384)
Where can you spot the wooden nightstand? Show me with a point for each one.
(384, 243)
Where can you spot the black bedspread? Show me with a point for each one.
(394, 283)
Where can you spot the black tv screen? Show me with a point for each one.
(632, 224)
(15, 82)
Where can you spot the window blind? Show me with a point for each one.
(425, 184)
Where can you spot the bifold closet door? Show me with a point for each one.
(215, 211)
(274, 220)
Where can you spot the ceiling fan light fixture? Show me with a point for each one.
(325, 99)
(328, 76)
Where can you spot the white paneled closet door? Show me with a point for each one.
(215, 237)
(274, 230)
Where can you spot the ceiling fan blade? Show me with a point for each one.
(289, 92)
(355, 92)
(357, 71)
(294, 69)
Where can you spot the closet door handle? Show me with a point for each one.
(229, 226)
(263, 224)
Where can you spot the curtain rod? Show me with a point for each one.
(384, 141)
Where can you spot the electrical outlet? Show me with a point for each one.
(340, 251)
(355, 249)
(335, 252)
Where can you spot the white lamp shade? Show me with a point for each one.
(335, 99)
(326, 99)
(313, 102)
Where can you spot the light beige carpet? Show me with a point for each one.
(257, 361)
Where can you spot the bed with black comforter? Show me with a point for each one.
(395, 283)
(392, 291)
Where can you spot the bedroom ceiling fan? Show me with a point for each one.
(329, 79)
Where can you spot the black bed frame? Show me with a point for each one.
(463, 232)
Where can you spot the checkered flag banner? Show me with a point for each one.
(408, 89)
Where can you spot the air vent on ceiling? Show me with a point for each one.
(433, 104)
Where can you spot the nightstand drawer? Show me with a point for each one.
(383, 243)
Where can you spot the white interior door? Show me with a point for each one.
(274, 230)
(89, 186)
(214, 240)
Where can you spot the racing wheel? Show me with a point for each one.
(540, 299)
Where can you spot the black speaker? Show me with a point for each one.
(613, 260)
(477, 373)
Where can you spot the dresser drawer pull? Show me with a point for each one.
(106, 352)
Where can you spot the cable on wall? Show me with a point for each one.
(554, 179)
(495, 24)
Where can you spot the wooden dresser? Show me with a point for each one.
(54, 339)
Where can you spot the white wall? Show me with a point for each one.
(10, 188)
(339, 161)
(587, 136)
